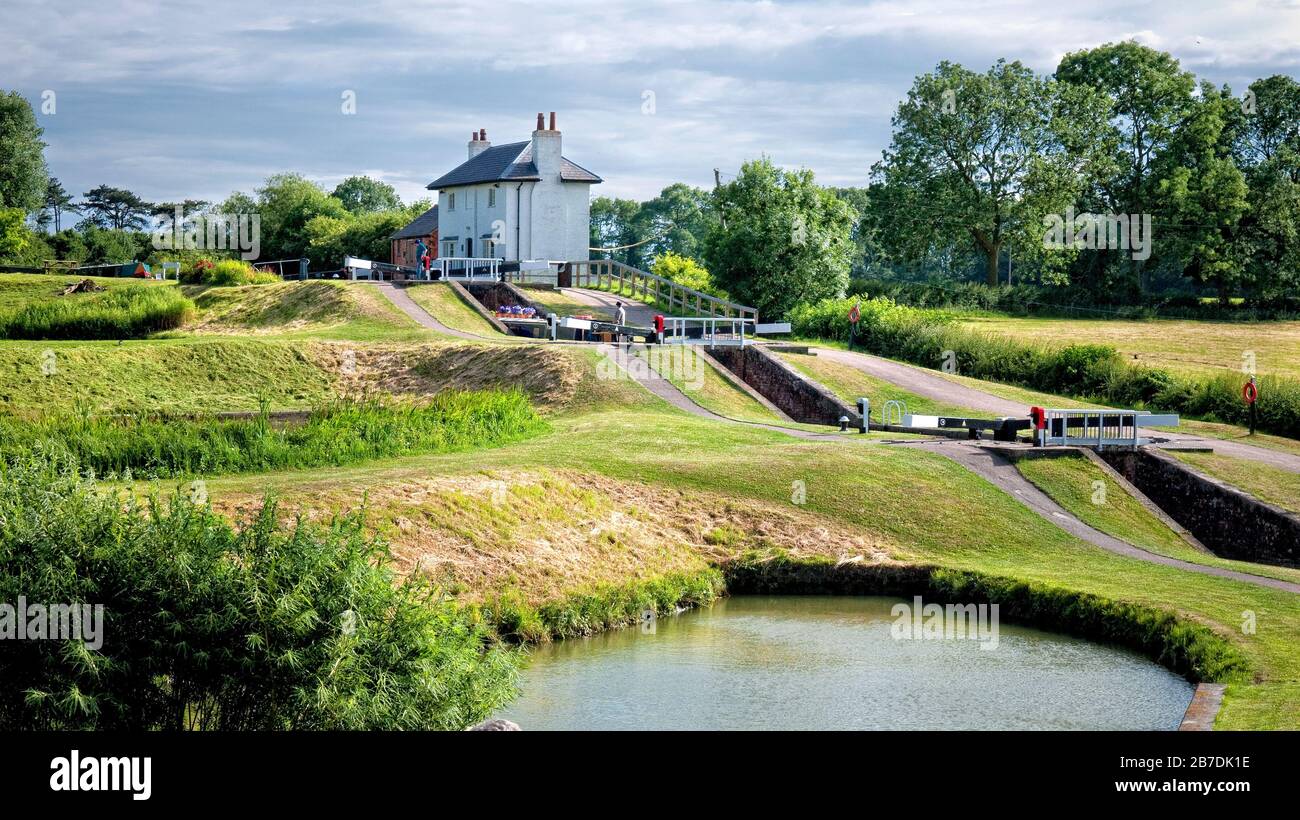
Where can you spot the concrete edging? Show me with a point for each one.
(1207, 700)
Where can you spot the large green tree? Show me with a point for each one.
(58, 202)
(286, 203)
(780, 239)
(614, 225)
(363, 195)
(22, 159)
(980, 159)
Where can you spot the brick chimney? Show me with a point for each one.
(546, 148)
(478, 142)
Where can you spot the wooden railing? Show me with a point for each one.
(616, 277)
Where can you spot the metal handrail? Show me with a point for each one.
(652, 286)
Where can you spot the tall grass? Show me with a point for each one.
(1091, 372)
(335, 434)
(126, 312)
(207, 626)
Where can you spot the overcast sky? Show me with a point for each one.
(197, 99)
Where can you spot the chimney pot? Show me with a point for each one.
(541, 122)
(482, 134)
(553, 121)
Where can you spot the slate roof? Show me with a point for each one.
(423, 225)
(512, 162)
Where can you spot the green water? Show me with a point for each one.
(819, 662)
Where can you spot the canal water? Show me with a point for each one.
(829, 662)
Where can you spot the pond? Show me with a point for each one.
(831, 662)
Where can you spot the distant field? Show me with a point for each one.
(1181, 346)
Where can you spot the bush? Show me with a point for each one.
(337, 434)
(211, 627)
(226, 273)
(121, 312)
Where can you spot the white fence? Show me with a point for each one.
(1099, 428)
(707, 330)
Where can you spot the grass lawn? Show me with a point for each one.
(1181, 346)
(553, 301)
(315, 309)
(19, 289)
(1070, 481)
(706, 386)
(884, 495)
(1263, 481)
(448, 307)
(849, 384)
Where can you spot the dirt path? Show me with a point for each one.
(935, 387)
(1002, 474)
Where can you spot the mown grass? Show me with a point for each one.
(18, 290)
(449, 307)
(335, 434)
(700, 381)
(315, 309)
(1264, 481)
(115, 313)
(938, 511)
(1072, 482)
(172, 376)
(850, 384)
(1181, 346)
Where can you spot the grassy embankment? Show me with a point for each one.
(1265, 482)
(739, 475)
(339, 433)
(1070, 481)
(450, 308)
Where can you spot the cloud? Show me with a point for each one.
(188, 98)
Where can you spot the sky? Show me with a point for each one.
(195, 100)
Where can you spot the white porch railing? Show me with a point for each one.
(467, 267)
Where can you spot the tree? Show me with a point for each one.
(363, 195)
(116, 208)
(1267, 149)
(1148, 98)
(869, 256)
(781, 239)
(614, 224)
(676, 221)
(686, 272)
(22, 159)
(982, 158)
(1202, 195)
(57, 202)
(286, 203)
(14, 234)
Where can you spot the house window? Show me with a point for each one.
(451, 201)
(492, 197)
(449, 248)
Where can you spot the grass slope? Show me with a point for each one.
(315, 309)
(450, 308)
(1263, 481)
(884, 494)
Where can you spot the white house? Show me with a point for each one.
(518, 201)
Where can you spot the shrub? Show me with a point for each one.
(207, 626)
(226, 273)
(121, 312)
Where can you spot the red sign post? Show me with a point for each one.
(1250, 392)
